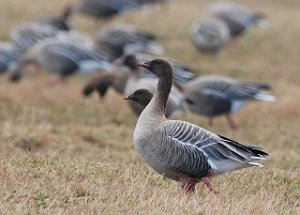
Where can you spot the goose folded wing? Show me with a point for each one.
(75, 53)
(216, 148)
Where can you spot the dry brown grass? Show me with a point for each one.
(62, 154)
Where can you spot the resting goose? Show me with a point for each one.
(180, 150)
(62, 57)
(209, 35)
(238, 18)
(9, 54)
(118, 40)
(214, 95)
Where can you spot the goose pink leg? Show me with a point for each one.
(231, 122)
(189, 187)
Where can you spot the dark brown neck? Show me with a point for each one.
(163, 90)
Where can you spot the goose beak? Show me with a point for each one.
(145, 65)
(128, 97)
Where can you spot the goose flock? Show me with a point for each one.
(156, 87)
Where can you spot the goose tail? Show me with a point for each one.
(265, 97)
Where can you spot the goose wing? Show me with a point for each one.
(74, 52)
(225, 87)
(26, 35)
(221, 153)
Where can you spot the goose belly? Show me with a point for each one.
(236, 105)
(155, 160)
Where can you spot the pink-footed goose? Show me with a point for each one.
(238, 18)
(213, 95)
(180, 150)
(117, 40)
(63, 56)
(28, 34)
(220, 23)
(209, 35)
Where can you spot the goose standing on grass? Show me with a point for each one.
(180, 150)
(62, 57)
(213, 95)
(118, 40)
(9, 54)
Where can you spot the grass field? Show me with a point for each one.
(63, 154)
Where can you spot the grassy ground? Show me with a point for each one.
(63, 154)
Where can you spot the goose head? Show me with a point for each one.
(131, 62)
(159, 67)
(141, 97)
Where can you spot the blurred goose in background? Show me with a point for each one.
(238, 18)
(213, 95)
(61, 22)
(118, 78)
(63, 57)
(180, 150)
(28, 34)
(101, 9)
(9, 54)
(209, 35)
(220, 23)
(106, 9)
(117, 40)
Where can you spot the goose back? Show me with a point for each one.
(237, 17)
(213, 95)
(209, 35)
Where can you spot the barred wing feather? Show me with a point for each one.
(222, 153)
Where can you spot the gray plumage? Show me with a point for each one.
(238, 18)
(214, 95)
(102, 9)
(220, 23)
(63, 57)
(117, 40)
(9, 54)
(27, 35)
(180, 150)
(209, 35)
